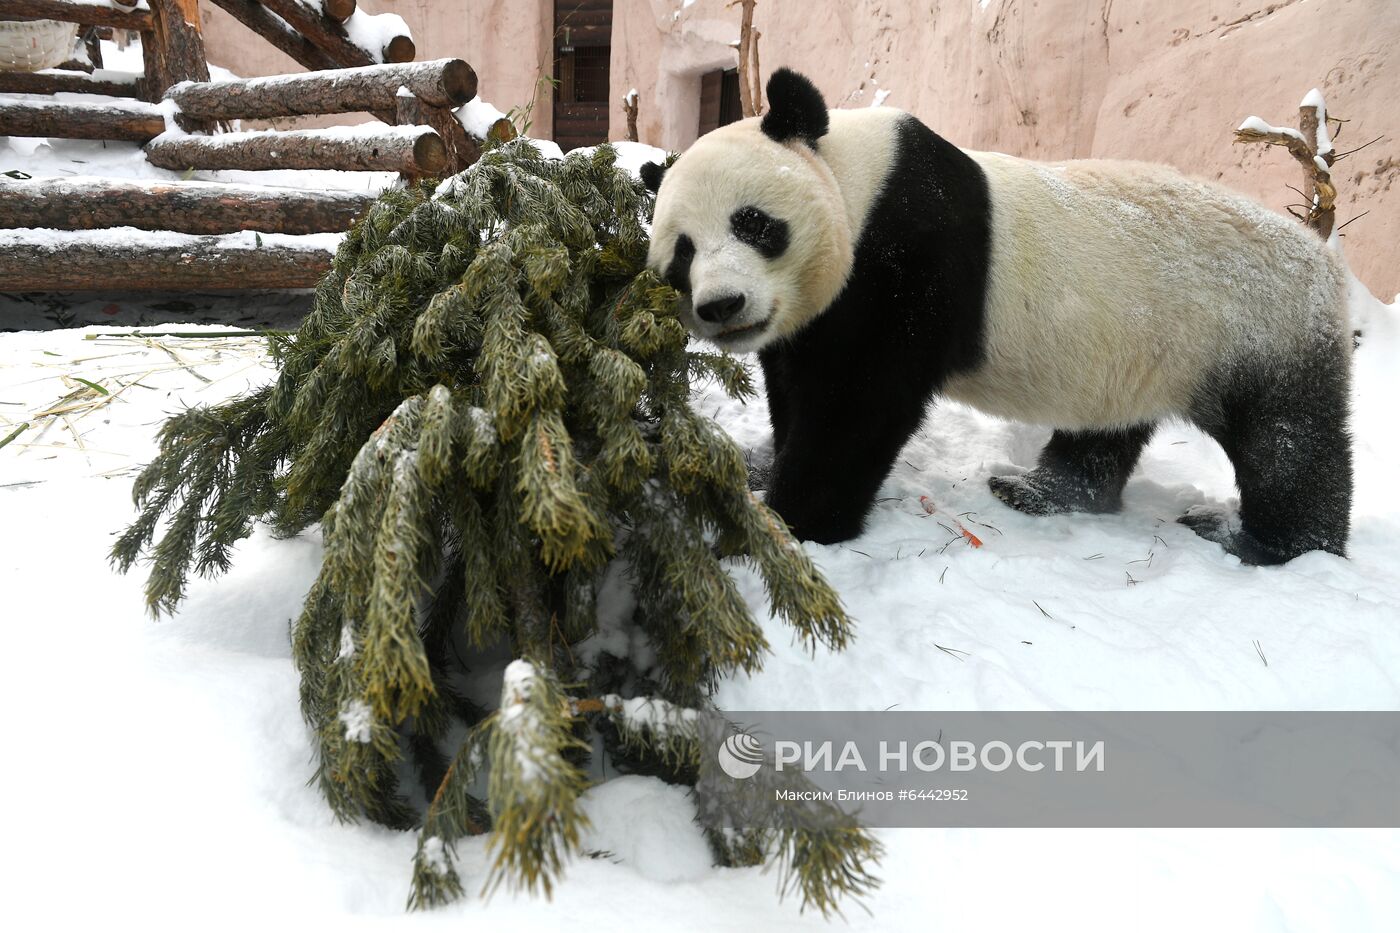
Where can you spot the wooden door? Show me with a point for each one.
(719, 99)
(583, 48)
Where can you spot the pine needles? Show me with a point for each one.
(486, 409)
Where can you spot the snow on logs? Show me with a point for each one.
(447, 82)
(276, 31)
(121, 258)
(185, 207)
(411, 150)
(58, 81)
(88, 12)
(134, 122)
(362, 40)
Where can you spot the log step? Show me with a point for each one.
(83, 203)
(131, 121)
(412, 150)
(446, 82)
(87, 12)
(125, 259)
(55, 81)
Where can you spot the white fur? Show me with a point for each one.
(1115, 287)
(737, 166)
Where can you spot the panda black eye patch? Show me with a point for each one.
(761, 230)
(678, 272)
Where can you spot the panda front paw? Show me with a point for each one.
(760, 465)
(1024, 494)
(1209, 522)
(1219, 526)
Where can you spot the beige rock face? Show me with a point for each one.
(1158, 80)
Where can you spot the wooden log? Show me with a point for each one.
(331, 37)
(462, 150)
(415, 150)
(35, 261)
(183, 207)
(180, 43)
(93, 43)
(174, 52)
(447, 82)
(338, 10)
(80, 11)
(129, 121)
(272, 28)
(108, 83)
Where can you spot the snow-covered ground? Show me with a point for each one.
(160, 768)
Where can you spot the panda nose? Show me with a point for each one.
(721, 309)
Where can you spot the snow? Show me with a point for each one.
(208, 700)
(630, 156)
(1324, 136)
(634, 819)
(97, 74)
(43, 238)
(880, 97)
(518, 718)
(477, 117)
(358, 720)
(548, 148)
(337, 133)
(434, 853)
(372, 32)
(60, 158)
(199, 747)
(347, 636)
(1258, 125)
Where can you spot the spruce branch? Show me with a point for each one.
(488, 405)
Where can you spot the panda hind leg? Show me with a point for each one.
(1291, 451)
(1078, 471)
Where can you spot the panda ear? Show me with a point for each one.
(652, 173)
(795, 109)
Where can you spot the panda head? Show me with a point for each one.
(750, 225)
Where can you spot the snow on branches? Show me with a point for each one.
(487, 408)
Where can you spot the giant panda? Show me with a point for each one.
(874, 266)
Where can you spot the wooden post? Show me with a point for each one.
(126, 121)
(629, 107)
(1311, 145)
(174, 51)
(414, 150)
(85, 261)
(182, 207)
(92, 41)
(750, 82)
(447, 82)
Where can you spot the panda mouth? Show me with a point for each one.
(741, 331)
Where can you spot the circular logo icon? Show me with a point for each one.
(740, 756)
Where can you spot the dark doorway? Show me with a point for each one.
(719, 99)
(582, 49)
